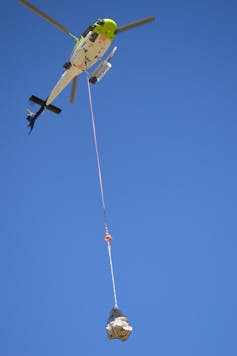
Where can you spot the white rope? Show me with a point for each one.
(97, 158)
(102, 193)
(112, 275)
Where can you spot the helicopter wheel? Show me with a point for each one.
(67, 65)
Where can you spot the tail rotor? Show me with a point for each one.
(31, 120)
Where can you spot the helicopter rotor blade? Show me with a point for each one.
(74, 89)
(48, 18)
(135, 24)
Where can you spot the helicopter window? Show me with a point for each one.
(90, 28)
(93, 36)
(100, 22)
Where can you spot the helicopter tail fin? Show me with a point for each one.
(31, 121)
(42, 103)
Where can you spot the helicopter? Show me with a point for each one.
(89, 49)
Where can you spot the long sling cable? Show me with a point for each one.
(107, 237)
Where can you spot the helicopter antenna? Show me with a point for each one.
(48, 18)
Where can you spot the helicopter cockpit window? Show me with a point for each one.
(90, 28)
(100, 22)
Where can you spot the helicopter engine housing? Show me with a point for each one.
(100, 71)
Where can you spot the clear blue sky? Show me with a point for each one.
(166, 118)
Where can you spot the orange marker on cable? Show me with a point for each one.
(107, 237)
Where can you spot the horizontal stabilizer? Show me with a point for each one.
(42, 103)
(53, 108)
(37, 100)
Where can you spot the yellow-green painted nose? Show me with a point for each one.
(110, 24)
(107, 28)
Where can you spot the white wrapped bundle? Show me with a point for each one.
(118, 326)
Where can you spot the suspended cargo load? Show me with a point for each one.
(118, 326)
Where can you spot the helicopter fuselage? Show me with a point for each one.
(89, 49)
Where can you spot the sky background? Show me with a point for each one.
(166, 118)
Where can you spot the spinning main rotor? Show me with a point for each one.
(67, 32)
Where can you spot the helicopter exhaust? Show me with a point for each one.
(102, 68)
(32, 117)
